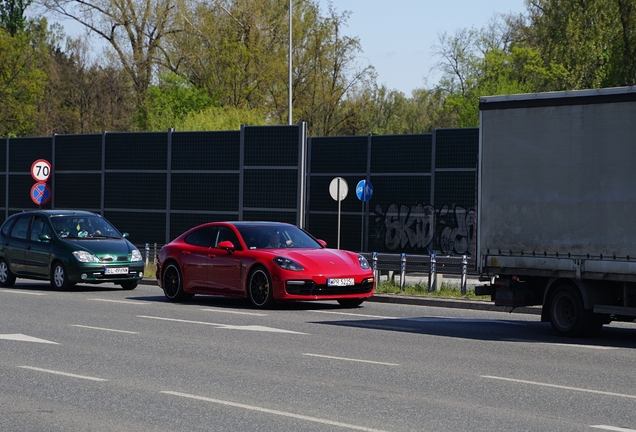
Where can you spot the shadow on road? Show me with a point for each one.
(500, 330)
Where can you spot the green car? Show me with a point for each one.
(67, 247)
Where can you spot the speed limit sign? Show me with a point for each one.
(41, 170)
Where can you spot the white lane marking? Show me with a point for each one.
(275, 412)
(560, 387)
(233, 312)
(226, 326)
(63, 373)
(612, 428)
(597, 347)
(121, 301)
(105, 329)
(350, 359)
(24, 338)
(21, 292)
(425, 320)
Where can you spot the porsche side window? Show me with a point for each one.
(203, 237)
(226, 233)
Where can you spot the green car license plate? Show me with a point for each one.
(115, 270)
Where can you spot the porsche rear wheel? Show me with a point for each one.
(173, 284)
(259, 289)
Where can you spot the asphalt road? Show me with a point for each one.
(103, 359)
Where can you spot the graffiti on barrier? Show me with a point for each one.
(449, 230)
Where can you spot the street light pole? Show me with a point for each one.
(290, 63)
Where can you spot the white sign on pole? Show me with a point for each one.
(338, 189)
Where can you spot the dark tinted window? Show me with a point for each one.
(21, 227)
(226, 234)
(38, 228)
(203, 237)
(6, 228)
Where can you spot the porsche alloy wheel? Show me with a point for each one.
(259, 289)
(173, 284)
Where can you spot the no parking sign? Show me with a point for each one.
(40, 192)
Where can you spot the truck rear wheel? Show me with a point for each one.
(567, 313)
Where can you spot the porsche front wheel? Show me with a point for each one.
(259, 289)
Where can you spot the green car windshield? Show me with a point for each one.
(83, 227)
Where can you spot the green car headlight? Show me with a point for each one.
(85, 257)
(135, 255)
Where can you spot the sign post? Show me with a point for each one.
(40, 192)
(364, 192)
(338, 189)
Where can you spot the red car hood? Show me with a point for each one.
(325, 260)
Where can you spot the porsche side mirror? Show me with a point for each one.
(227, 245)
(322, 243)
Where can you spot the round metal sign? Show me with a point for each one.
(338, 189)
(364, 190)
(40, 193)
(41, 170)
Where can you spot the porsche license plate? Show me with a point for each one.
(116, 270)
(340, 282)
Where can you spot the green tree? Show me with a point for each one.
(238, 51)
(171, 101)
(12, 15)
(593, 40)
(22, 84)
(134, 30)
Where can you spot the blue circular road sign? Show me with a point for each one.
(40, 193)
(364, 190)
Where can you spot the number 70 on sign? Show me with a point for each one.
(41, 170)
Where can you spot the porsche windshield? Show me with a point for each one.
(273, 236)
(83, 227)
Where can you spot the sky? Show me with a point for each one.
(397, 36)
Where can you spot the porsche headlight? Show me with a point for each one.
(287, 264)
(363, 262)
(135, 255)
(85, 257)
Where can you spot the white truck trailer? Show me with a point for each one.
(555, 201)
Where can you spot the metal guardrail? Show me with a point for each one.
(431, 264)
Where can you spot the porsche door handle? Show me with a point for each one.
(185, 252)
(212, 255)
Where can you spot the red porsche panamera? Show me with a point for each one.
(265, 262)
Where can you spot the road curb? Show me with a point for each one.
(430, 301)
